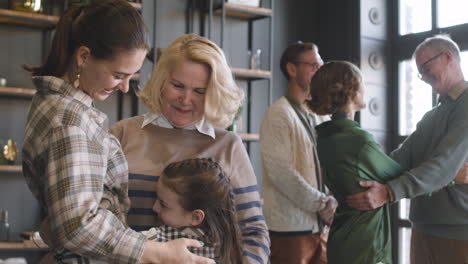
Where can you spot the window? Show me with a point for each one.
(404, 236)
(464, 63)
(404, 233)
(451, 12)
(415, 97)
(415, 16)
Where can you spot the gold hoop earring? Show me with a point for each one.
(76, 83)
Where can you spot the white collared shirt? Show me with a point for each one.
(201, 126)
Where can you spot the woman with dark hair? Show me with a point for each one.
(349, 154)
(73, 166)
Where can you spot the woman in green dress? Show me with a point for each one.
(348, 154)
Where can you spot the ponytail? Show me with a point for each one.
(226, 230)
(105, 27)
(63, 47)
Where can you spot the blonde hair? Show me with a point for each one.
(222, 98)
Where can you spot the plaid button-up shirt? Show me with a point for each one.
(78, 172)
(167, 233)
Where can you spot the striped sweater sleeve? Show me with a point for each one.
(256, 243)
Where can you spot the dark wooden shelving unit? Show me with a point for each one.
(17, 92)
(136, 5)
(135, 77)
(28, 19)
(26, 244)
(246, 12)
(249, 137)
(249, 74)
(249, 14)
(10, 168)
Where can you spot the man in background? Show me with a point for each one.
(296, 206)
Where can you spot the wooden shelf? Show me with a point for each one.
(249, 137)
(135, 77)
(35, 19)
(26, 244)
(27, 19)
(15, 91)
(241, 11)
(135, 5)
(249, 74)
(10, 168)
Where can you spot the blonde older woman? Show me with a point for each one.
(192, 97)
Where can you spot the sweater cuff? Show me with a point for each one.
(398, 191)
(131, 247)
(323, 201)
(390, 195)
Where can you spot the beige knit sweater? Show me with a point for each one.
(291, 197)
(150, 149)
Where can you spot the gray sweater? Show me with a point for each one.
(431, 156)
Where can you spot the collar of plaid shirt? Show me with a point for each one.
(47, 84)
(52, 84)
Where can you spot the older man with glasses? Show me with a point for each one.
(431, 157)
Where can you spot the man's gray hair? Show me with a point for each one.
(439, 43)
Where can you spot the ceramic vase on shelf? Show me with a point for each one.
(9, 153)
(236, 123)
(33, 6)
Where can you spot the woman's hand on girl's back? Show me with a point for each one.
(173, 252)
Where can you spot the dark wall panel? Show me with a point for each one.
(293, 20)
(23, 208)
(339, 30)
(19, 45)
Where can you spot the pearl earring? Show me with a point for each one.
(76, 83)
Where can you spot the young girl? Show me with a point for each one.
(195, 200)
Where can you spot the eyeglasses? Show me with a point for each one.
(314, 66)
(425, 66)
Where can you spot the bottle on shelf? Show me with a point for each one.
(255, 62)
(4, 226)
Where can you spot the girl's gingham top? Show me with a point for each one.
(78, 172)
(167, 233)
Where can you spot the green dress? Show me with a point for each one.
(349, 154)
